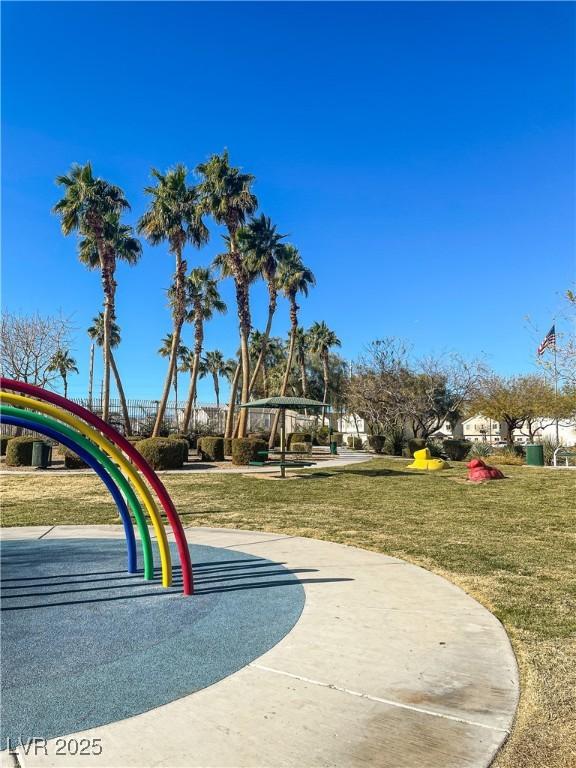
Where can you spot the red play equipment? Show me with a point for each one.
(478, 471)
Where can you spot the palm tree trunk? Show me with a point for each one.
(178, 316)
(325, 374)
(265, 378)
(243, 304)
(109, 287)
(265, 337)
(216, 388)
(198, 342)
(294, 318)
(176, 396)
(232, 402)
(303, 378)
(191, 392)
(120, 388)
(65, 385)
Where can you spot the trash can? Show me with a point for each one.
(41, 454)
(535, 455)
(334, 447)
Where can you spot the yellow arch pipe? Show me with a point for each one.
(109, 448)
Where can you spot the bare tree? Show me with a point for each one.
(389, 390)
(28, 345)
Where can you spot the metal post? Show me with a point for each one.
(556, 392)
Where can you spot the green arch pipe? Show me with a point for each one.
(110, 467)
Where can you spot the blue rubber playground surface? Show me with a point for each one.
(84, 643)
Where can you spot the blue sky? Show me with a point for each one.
(420, 155)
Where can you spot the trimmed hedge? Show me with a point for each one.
(338, 438)
(302, 447)
(183, 443)
(4, 444)
(259, 436)
(19, 451)
(377, 442)
(322, 436)
(72, 461)
(354, 442)
(246, 449)
(227, 446)
(162, 452)
(298, 437)
(183, 436)
(135, 439)
(211, 448)
(457, 450)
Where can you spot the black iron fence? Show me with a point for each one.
(206, 419)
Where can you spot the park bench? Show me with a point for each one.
(564, 453)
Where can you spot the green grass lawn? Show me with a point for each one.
(511, 544)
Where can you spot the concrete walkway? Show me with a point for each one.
(343, 458)
(396, 668)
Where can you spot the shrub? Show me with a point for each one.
(549, 444)
(301, 447)
(355, 442)
(135, 439)
(457, 450)
(394, 441)
(72, 461)
(182, 436)
(298, 437)
(246, 449)
(19, 451)
(322, 435)
(506, 456)
(183, 445)
(227, 446)
(436, 449)
(377, 442)
(416, 444)
(479, 451)
(338, 438)
(161, 452)
(4, 444)
(212, 449)
(259, 436)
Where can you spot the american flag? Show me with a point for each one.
(549, 340)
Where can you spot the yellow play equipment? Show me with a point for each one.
(423, 460)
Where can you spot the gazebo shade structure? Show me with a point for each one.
(283, 404)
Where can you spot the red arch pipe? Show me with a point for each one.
(129, 450)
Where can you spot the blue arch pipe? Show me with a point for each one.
(100, 471)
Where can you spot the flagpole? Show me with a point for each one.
(556, 393)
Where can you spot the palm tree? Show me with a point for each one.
(96, 333)
(174, 216)
(264, 252)
(293, 278)
(226, 194)
(214, 363)
(86, 207)
(203, 299)
(63, 364)
(182, 353)
(301, 347)
(321, 340)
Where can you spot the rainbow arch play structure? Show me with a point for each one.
(117, 463)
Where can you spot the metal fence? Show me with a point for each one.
(208, 418)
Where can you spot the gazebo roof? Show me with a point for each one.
(284, 402)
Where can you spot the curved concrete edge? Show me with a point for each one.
(389, 665)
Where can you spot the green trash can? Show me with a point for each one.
(333, 447)
(535, 455)
(41, 454)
